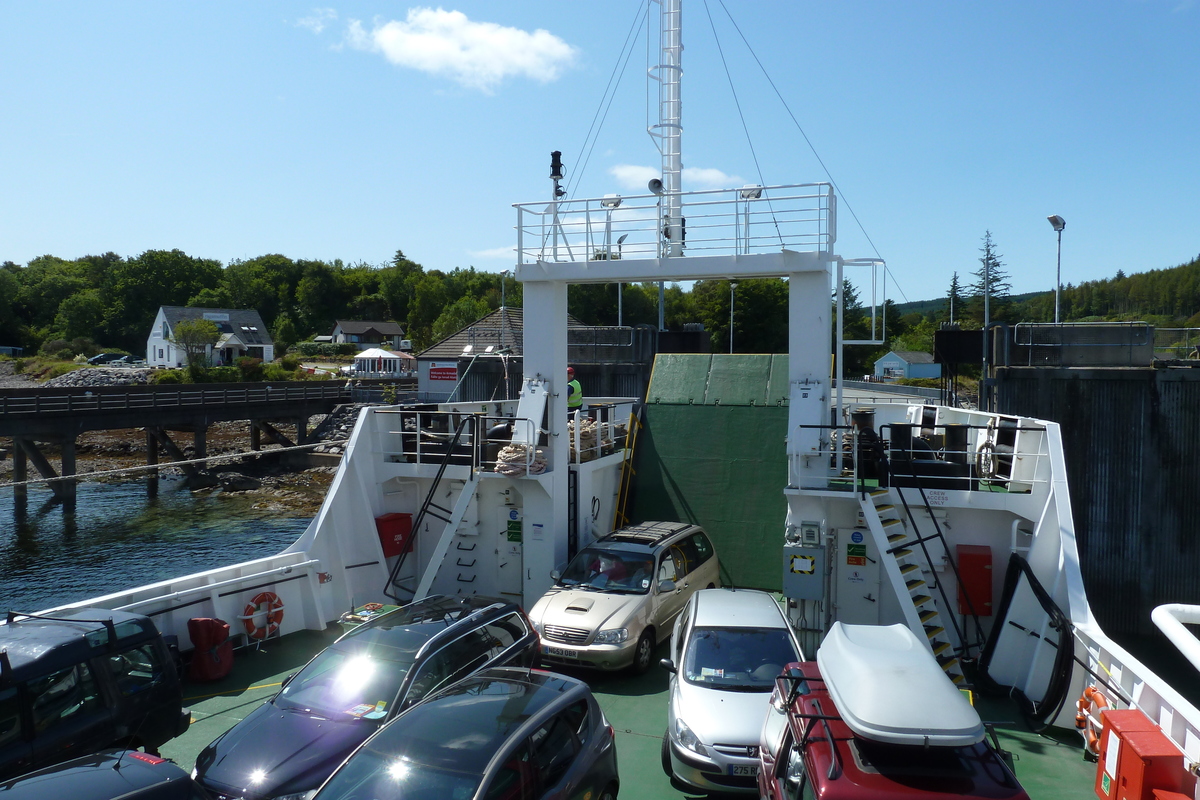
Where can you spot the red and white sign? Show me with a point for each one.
(443, 371)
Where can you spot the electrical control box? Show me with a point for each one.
(1135, 763)
(804, 572)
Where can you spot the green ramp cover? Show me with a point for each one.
(713, 453)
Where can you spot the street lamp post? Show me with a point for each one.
(1058, 224)
(732, 286)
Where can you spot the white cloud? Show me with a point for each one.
(318, 20)
(634, 177)
(477, 55)
(709, 178)
(508, 252)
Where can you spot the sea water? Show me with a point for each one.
(119, 537)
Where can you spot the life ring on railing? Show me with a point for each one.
(265, 604)
(1087, 718)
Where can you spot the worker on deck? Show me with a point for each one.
(574, 392)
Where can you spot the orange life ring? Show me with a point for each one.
(265, 604)
(1087, 717)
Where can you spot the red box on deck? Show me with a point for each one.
(1135, 763)
(395, 533)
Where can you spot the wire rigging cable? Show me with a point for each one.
(742, 117)
(610, 92)
(816, 155)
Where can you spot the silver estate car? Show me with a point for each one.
(618, 598)
(729, 646)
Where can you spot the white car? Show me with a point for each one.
(618, 598)
(729, 646)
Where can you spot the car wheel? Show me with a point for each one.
(643, 654)
(666, 754)
(609, 793)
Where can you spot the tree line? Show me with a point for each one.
(110, 301)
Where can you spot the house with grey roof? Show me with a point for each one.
(368, 334)
(242, 333)
(906, 364)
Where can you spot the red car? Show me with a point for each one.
(809, 748)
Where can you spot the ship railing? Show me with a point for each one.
(1177, 344)
(752, 219)
(599, 429)
(954, 456)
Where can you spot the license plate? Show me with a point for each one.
(560, 652)
(743, 770)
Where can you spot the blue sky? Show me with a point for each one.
(234, 129)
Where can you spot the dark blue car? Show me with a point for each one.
(290, 744)
(503, 734)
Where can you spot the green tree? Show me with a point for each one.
(195, 336)
(137, 287)
(428, 300)
(462, 312)
(80, 315)
(991, 289)
(955, 302)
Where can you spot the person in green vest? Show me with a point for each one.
(574, 392)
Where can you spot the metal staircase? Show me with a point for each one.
(904, 554)
(451, 516)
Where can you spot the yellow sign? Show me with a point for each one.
(803, 565)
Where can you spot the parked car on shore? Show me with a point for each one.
(104, 358)
(617, 599)
(292, 742)
(504, 734)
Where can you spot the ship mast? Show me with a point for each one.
(667, 132)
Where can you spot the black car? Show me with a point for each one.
(292, 743)
(81, 681)
(104, 358)
(123, 774)
(503, 734)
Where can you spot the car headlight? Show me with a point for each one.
(613, 636)
(537, 626)
(296, 795)
(688, 739)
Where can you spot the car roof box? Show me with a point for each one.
(889, 688)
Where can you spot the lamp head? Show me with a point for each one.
(751, 192)
(655, 185)
(621, 239)
(611, 201)
(1058, 222)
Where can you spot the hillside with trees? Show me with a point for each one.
(71, 307)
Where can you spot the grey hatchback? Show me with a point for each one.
(287, 746)
(503, 734)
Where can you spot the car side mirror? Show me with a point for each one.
(666, 585)
(555, 574)
(668, 665)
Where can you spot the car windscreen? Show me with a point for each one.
(610, 569)
(344, 685)
(737, 659)
(369, 773)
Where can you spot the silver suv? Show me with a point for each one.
(618, 598)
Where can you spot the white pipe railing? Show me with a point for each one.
(208, 587)
(1170, 619)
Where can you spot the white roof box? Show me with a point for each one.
(889, 688)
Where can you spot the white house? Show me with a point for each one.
(242, 333)
(368, 334)
(906, 364)
(376, 363)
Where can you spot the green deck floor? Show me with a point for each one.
(636, 706)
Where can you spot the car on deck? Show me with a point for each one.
(619, 596)
(729, 646)
(109, 775)
(503, 734)
(875, 716)
(291, 743)
(83, 680)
